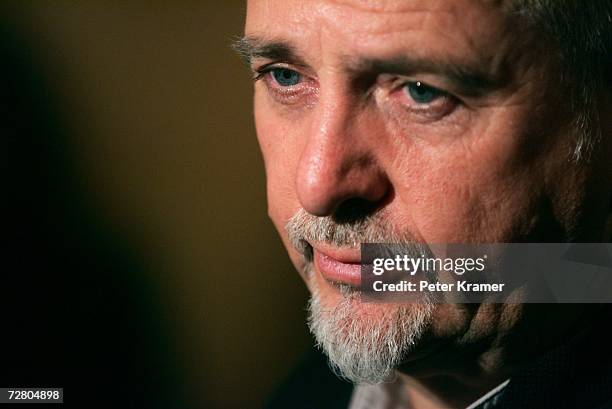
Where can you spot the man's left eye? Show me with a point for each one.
(286, 77)
(423, 94)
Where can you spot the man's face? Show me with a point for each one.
(428, 121)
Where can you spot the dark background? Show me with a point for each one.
(139, 268)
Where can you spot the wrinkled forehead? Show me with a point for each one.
(382, 28)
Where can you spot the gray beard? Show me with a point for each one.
(366, 342)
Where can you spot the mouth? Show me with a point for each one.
(338, 265)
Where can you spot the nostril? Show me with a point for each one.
(354, 209)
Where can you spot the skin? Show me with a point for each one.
(487, 161)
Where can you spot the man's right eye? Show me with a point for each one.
(285, 85)
(285, 77)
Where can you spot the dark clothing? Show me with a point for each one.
(312, 385)
(575, 375)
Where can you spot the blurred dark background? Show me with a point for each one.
(139, 268)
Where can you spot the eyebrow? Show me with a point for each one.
(468, 78)
(249, 48)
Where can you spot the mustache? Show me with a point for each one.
(304, 228)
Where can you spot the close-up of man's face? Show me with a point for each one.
(416, 122)
(392, 204)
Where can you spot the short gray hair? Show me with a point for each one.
(582, 31)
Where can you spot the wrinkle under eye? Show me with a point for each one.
(286, 77)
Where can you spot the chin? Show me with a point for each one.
(364, 341)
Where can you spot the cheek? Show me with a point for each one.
(473, 205)
(280, 152)
(479, 187)
(281, 155)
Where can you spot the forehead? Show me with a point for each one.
(380, 28)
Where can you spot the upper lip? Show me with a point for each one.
(346, 255)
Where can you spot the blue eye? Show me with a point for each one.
(286, 77)
(423, 94)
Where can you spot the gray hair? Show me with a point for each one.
(582, 34)
(365, 343)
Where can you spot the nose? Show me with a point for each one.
(338, 163)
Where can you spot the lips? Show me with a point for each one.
(338, 265)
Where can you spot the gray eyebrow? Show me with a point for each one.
(250, 47)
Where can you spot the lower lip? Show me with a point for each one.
(336, 271)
